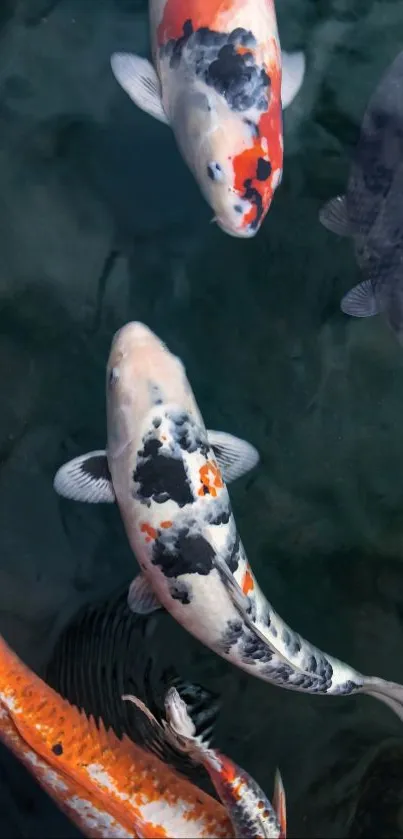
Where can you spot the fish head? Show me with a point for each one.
(141, 374)
(235, 156)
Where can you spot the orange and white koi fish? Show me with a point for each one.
(249, 809)
(220, 81)
(106, 786)
(165, 475)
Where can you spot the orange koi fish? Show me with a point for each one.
(220, 81)
(106, 786)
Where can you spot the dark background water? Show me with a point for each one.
(101, 223)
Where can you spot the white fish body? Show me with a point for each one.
(176, 510)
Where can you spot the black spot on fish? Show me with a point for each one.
(238, 208)
(293, 643)
(161, 476)
(180, 591)
(296, 643)
(157, 422)
(230, 636)
(263, 169)
(253, 127)
(300, 680)
(187, 554)
(278, 673)
(155, 393)
(57, 749)
(215, 58)
(237, 78)
(326, 670)
(232, 559)
(220, 513)
(253, 195)
(214, 171)
(255, 649)
(190, 436)
(346, 688)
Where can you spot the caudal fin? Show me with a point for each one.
(389, 692)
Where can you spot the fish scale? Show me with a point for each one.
(127, 784)
(77, 803)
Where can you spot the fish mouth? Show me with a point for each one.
(236, 232)
(134, 332)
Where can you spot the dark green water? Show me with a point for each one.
(101, 223)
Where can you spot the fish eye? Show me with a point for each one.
(113, 376)
(215, 172)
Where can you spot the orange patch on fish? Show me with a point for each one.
(165, 524)
(118, 776)
(267, 146)
(211, 480)
(227, 772)
(150, 532)
(201, 13)
(230, 776)
(247, 583)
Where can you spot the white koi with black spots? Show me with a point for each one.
(163, 468)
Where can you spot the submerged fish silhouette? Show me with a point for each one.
(371, 211)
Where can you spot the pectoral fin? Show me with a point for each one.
(86, 478)
(334, 216)
(234, 456)
(141, 599)
(293, 72)
(360, 301)
(138, 78)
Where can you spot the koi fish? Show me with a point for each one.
(163, 470)
(249, 809)
(371, 211)
(106, 786)
(220, 81)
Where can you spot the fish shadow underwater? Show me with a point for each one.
(105, 653)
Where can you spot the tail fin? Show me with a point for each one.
(279, 803)
(389, 692)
